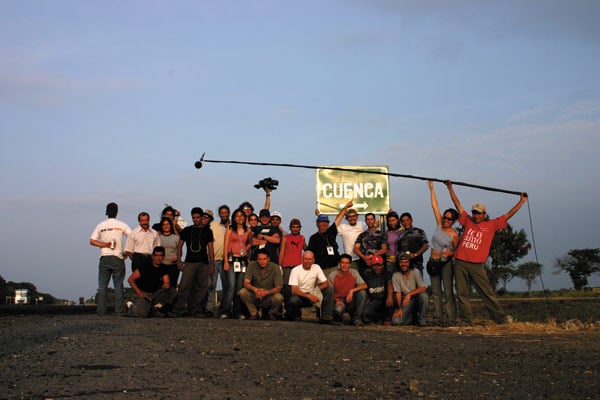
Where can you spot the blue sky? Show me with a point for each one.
(115, 100)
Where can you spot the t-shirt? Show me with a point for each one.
(377, 284)
(151, 278)
(218, 230)
(268, 278)
(307, 280)
(196, 239)
(272, 248)
(320, 242)
(407, 284)
(342, 284)
(169, 242)
(293, 250)
(476, 240)
(349, 233)
(372, 241)
(108, 230)
(412, 240)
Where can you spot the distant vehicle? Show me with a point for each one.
(21, 296)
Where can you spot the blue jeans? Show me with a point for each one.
(443, 300)
(212, 285)
(115, 267)
(233, 282)
(418, 304)
(355, 308)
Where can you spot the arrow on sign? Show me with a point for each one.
(357, 205)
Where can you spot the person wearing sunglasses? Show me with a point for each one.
(439, 266)
(472, 253)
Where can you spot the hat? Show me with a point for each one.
(402, 256)
(478, 207)
(376, 260)
(264, 213)
(276, 214)
(112, 209)
(322, 217)
(209, 213)
(295, 221)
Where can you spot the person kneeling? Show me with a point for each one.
(349, 291)
(411, 295)
(262, 287)
(154, 294)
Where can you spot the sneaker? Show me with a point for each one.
(329, 322)
(242, 317)
(506, 320)
(129, 304)
(223, 316)
(358, 322)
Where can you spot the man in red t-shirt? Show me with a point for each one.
(471, 254)
(349, 291)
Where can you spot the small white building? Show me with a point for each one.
(21, 296)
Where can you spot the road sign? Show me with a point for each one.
(370, 191)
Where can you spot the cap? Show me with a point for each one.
(322, 217)
(478, 207)
(402, 256)
(112, 209)
(376, 260)
(295, 221)
(264, 213)
(209, 213)
(276, 214)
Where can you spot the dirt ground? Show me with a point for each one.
(85, 356)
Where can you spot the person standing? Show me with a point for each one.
(371, 242)
(323, 243)
(169, 239)
(392, 233)
(290, 254)
(412, 242)
(108, 236)
(218, 228)
(199, 263)
(471, 254)
(237, 242)
(349, 231)
(141, 242)
(439, 267)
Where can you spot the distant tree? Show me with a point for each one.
(528, 272)
(3, 289)
(505, 275)
(580, 264)
(508, 246)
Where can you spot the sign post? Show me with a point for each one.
(370, 191)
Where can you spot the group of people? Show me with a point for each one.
(269, 273)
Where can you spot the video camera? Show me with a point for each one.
(268, 183)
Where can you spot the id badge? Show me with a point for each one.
(330, 250)
(244, 267)
(237, 266)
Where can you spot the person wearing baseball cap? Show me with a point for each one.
(471, 254)
(324, 243)
(410, 292)
(380, 293)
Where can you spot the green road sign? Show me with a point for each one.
(370, 191)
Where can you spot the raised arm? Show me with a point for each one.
(453, 196)
(517, 206)
(434, 204)
(342, 212)
(267, 198)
